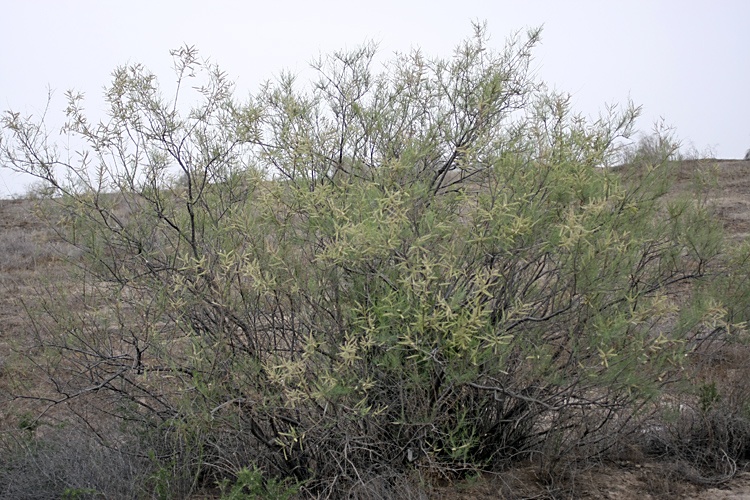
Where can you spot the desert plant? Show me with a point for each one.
(702, 443)
(250, 485)
(655, 148)
(428, 267)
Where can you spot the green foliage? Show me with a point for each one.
(77, 493)
(250, 485)
(161, 477)
(708, 397)
(430, 266)
(28, 423)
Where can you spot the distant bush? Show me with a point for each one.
(421, 268)
(655, 149)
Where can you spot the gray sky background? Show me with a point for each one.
(686, 62)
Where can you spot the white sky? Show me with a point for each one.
(685, 61)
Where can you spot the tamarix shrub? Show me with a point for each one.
(434, 265)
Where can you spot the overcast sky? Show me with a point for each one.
(686, 62)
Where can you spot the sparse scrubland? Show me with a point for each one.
(371, 286)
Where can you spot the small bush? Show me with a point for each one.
(250, 485)
(701, 437)
(654, 149)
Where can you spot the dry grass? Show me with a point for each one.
(57, 463)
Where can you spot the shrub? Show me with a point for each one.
(429, 267)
